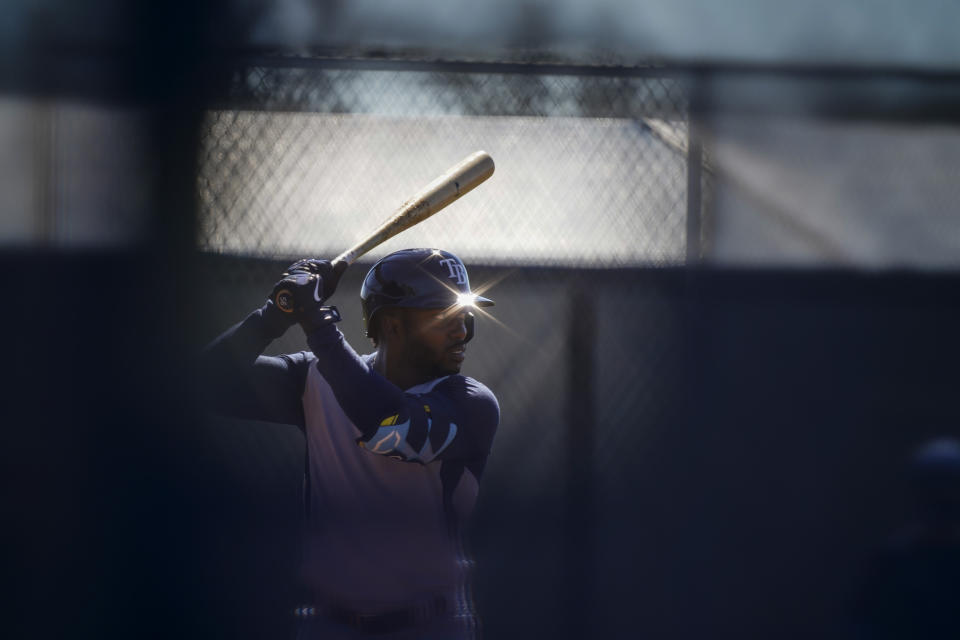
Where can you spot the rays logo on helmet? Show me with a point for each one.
(456, 269)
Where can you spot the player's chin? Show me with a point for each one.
(451, 363)
(450, 367)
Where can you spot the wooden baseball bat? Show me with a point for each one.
(447, 188)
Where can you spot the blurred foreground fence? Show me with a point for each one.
(698, 439)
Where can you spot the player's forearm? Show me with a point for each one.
(240, 345)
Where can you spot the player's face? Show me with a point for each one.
(435, 339)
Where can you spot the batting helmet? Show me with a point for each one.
(419, 279)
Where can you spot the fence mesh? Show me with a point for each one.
(588, 169)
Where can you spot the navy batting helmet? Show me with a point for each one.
(419, 279)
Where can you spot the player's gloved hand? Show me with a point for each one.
(305, 285)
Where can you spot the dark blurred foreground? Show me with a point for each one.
(745, 498)
(684, 453)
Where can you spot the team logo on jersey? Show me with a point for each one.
(457, 271)
(391, 440)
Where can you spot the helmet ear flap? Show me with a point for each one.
(469, 322)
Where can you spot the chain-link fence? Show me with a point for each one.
(318, 156)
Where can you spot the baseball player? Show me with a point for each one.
(396, 440)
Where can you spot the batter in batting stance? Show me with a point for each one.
(396, 440)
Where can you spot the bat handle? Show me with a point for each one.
(339, 266)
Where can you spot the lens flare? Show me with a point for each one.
(480, 290)
(466, 299)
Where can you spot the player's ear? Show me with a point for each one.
(391, 325)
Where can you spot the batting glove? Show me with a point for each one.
(300, 294)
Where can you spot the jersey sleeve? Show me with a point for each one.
(452, 418)
(239, 382)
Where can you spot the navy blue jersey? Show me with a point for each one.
(391, 473)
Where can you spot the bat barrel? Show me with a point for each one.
(454, 183)
(447, 188)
